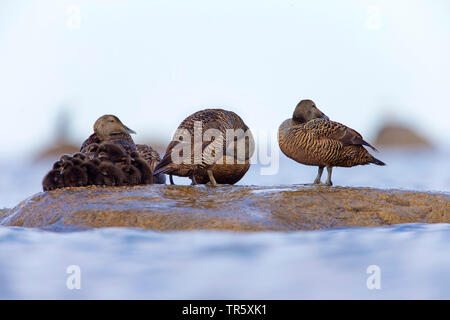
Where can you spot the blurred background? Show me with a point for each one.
(380, 67)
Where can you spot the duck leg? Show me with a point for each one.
(212, 179)
(319, 175)
(171, 180)
(328, 182)
(194, 182)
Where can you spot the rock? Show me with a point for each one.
(3, 213)
(237, 208)
(55, 151)
(400, 136)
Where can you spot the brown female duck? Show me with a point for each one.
(310, 138)
(108, 128)
(211, 145)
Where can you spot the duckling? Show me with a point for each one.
(112, 175)
(109, 128)
(53, 180)
(80, 156)
(145, 170)
(58, 165)
(112, 152)
(310, 138)
(65, 157)
(91, 150)
(210, 160)
(132, 174)
(93, 172)
(74, 175)
(76, 161)
(151, 156)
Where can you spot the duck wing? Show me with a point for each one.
(93, 138)
(148, 154)
(326, 129)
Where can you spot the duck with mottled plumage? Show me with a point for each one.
(108, 128)
(201, 163)
(310, 138)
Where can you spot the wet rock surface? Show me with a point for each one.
(237, 208)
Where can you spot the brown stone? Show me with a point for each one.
(400, 136)
(237, 208)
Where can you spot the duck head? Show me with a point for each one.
(109, 125)
(306, 110)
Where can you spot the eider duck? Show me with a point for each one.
(93, 172)
(108, 157)
(310, 138)
(146, 172)
(132, 174)
(151, 156)
(53, 180)
(112, 152)
(210, 157)
(108, 128)
(74, 175)
(112, 174)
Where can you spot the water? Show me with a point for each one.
(414, 259)
(123, 263)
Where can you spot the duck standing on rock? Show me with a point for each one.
(210, 146)
(310, 138)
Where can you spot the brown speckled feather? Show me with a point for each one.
(233, 168)
(336, 131)
(152, 157)
(321, 142)
(124, 140)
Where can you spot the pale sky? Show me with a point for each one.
(152, 63)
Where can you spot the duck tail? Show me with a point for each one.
(164, 166)
(163, 170)
(376, 161)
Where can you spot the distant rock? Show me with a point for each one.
(400, 136)
(56, 150)
(3, 213)
(236, 208)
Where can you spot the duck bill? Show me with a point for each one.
(130, 131)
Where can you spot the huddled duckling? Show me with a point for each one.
(74, 175)
(147, 176)
(53, 180)
(151, 157)
(104, 164)
(207, 166)
(95, 176)
(132, 174)
(310, 138)
(112, 152)
(112, 174)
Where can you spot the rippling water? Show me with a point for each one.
(414, 259)
(123, 263)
